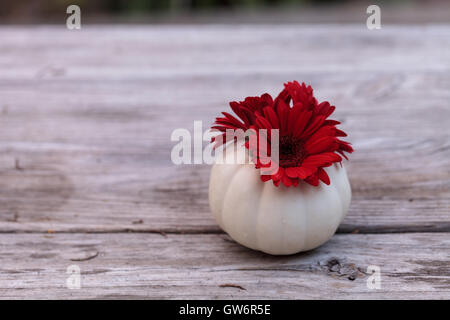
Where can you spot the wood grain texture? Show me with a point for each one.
(143, 266)
(88, 116)
(85, 125)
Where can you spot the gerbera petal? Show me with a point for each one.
(279, 175)
(270, 114)
(324, 131)
(233, 120)
(313, 126)
(292, 172)
(313, 180)
(321, 145)
(323, 176)
(302, 120)
(294, 114)
(340, 133)
(331, 123)
(286, 181)
(267, 99)
(342, 153)
(300, 172)
(319, 160)
(263, 123)
(283, 115)
(345, 146)
(236, 107)
(325, 109)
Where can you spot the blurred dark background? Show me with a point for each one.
(223, 11)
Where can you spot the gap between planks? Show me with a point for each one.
(376, 230)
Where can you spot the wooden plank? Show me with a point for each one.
(146, 266)
(86, 119)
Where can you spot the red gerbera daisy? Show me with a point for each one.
(308, 141)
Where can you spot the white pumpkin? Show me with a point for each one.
(276, 220)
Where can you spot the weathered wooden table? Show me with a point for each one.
(86, 176)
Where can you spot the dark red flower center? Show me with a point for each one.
(292, 152)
